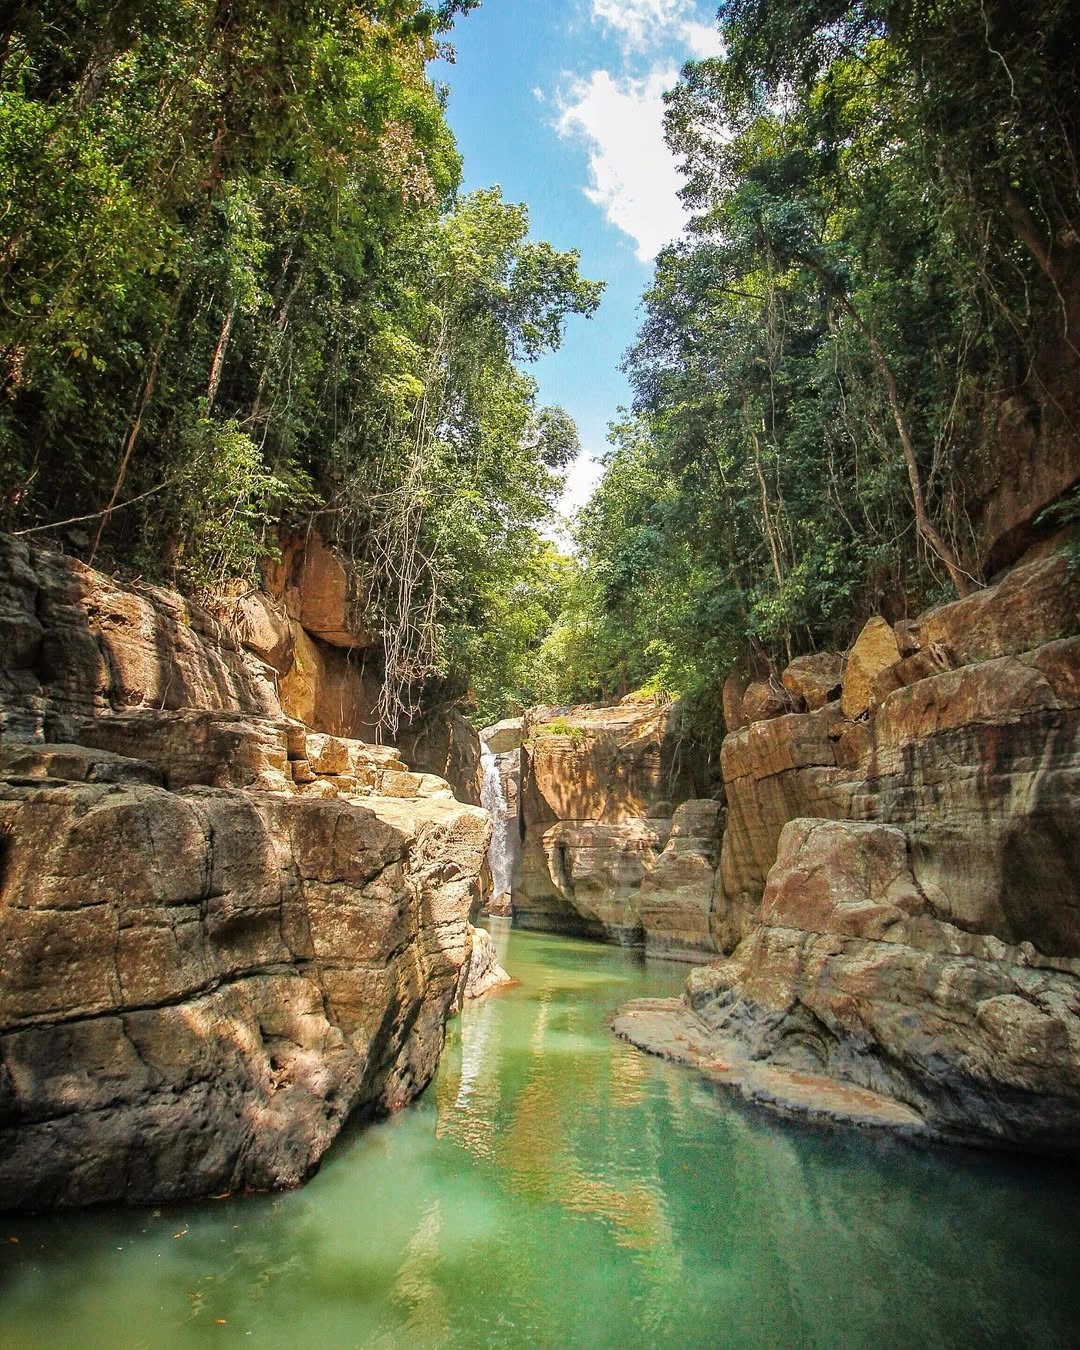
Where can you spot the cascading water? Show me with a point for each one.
(504, 835)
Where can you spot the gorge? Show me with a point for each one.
(556, 1185)
(463, 886)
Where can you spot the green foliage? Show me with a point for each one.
(237, 283)
(559, 726)
(883, 200)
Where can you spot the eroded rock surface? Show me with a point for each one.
(485, 968)
(443, 743)
(222, 932)
(597, 799)
(199, 986)
(898, 893)
(75, 645)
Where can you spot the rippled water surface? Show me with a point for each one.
(555, 1187)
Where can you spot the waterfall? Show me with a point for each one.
(504, 835)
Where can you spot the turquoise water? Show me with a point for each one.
(554, 1187)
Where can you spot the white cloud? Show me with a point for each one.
(645, 24)
(703, 40)
(641, 23)
(632, 172)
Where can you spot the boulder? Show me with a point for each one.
(875, 650)
(263, 627)
(185, 1020)
(844, 877)
(502, 737)
(327, 754)
(763, 699)
(919, 665)
(815, 679)
(1037, 602)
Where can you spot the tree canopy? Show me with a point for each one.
(884, 207)
(238, 283)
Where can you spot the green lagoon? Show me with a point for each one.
(554, 1187)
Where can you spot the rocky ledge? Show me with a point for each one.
(223, 934)
(897, 892)
(617, 843)
(199, 986)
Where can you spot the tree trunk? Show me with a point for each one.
(961, 580)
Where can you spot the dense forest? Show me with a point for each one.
(239, 284)
(883, 247)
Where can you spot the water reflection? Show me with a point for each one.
(556, 1187)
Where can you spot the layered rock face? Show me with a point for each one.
(604, 851)
(486, 973)
(222, 933)
(898, 888)
(74, 646)
(311, 625)
(444, 744)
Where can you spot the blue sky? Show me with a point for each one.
(560, 104)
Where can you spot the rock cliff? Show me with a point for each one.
(898, 886)
(223, 933)
(605, 851)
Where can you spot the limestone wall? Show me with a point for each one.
(898, 886)
(613, 844)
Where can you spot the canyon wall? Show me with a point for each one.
(898, 885)
(223, 932)
(616, 842)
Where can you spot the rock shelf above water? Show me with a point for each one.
(223, 933)
(897, 891)
(670, 1029)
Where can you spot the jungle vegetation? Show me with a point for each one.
(885, 202)
(239, 284)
